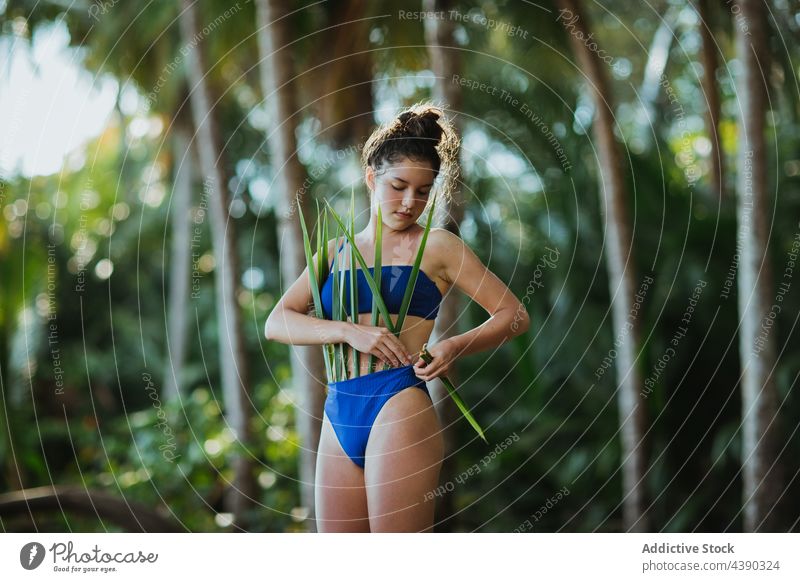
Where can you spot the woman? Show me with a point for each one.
(381, 448)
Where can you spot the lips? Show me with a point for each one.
(403, 215)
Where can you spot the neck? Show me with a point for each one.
(396, 245)
(387, 232)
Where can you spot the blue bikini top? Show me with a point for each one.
(425, 299)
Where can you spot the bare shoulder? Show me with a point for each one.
(447, 250)
(443, 244)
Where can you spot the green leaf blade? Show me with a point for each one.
(412, 280)
(451, 390)
(367, 275)
(354, 281)
(378, 272)
(312, 275)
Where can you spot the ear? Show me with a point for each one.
(369, 178)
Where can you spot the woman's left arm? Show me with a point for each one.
(508, 316)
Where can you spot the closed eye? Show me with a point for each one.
(419, 192)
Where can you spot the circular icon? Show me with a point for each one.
(31, 555)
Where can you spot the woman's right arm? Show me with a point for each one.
(288, 323)
(287, 326)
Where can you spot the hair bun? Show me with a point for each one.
(423, 124)
(406, 116)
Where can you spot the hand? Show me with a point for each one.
(378, 341)
(444, 353)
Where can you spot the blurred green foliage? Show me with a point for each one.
(111, 203)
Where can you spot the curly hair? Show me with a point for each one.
(420, 133)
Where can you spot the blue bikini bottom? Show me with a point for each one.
(353, 405)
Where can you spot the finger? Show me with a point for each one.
(383, 354)
(378, 353)
(398, 353)
(424, 366)
(431, 371)
(424, 375)
(399, 348)
(388, 356)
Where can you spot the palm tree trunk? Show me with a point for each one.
(235, 382)
(621, 275)
(445, 62)
(180, 259)
(657, 59)
(762, 473)
(342, 97)
(308, 369)
(711, 91)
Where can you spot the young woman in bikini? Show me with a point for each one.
(381, 448)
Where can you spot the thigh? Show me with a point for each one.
(403, 459)
(341, 503)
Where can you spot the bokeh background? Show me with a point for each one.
(150, 157)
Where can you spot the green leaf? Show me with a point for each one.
(427, 358)
(412, 280)
(340, 298)
(376, 295)
(336, 306)
(322, 267)
(328, 348)
(315, 272)
(324, 239)
(319, 243)
(312, 275)
(353, 280)
(378, 270)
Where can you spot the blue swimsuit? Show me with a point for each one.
(352, 405)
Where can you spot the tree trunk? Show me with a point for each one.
(761, 471)
(657, 58)
(445, 62)
(621, 275)
(235, 382)
(711, 91)
(342, 93)
(180, 259)
(308, 369)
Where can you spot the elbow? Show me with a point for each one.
(270, 331)
(521, 321)
(527, 324)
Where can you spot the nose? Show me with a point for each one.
(408, 198)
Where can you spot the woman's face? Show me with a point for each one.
(402, 189)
